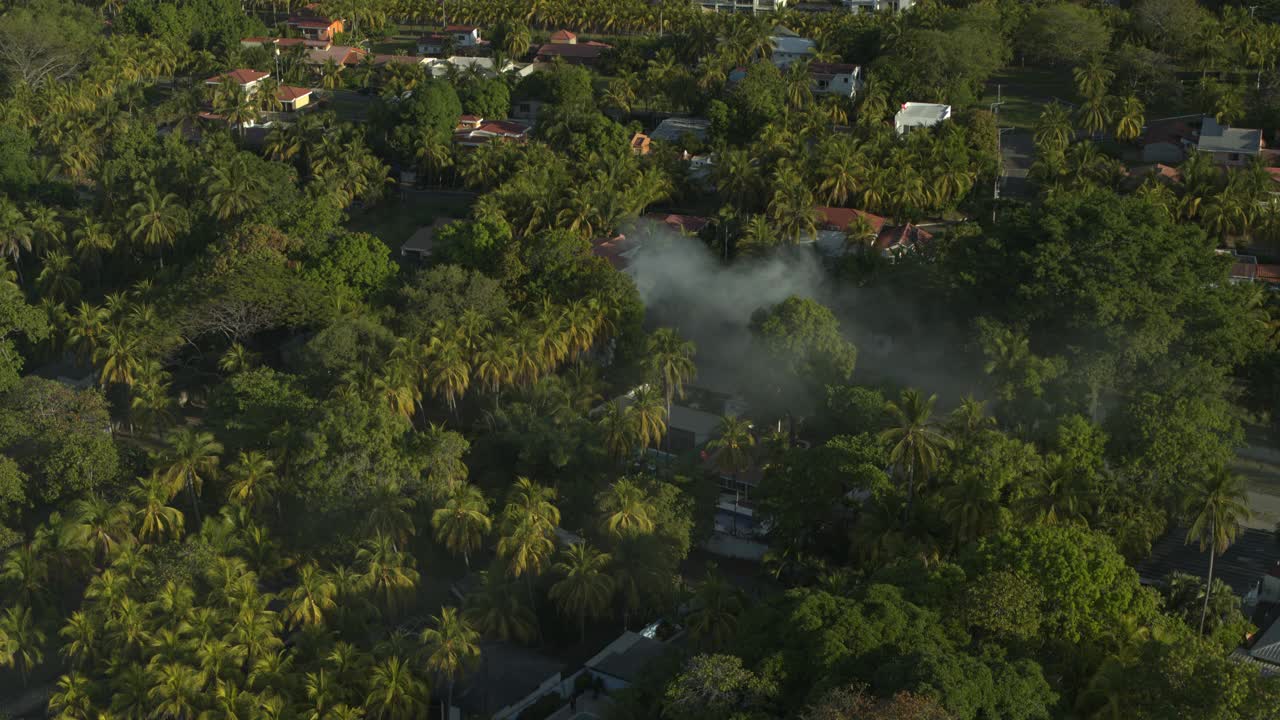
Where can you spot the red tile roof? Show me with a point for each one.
(563, 36)
(242, 76)
(289, 93)
(834, 218)
(581, 51)
(311, 22)
(691, 224)
(613, 249)
(461, 28)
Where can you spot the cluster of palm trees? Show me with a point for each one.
(471, 352)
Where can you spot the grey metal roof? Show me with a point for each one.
(1241, 566)
(1226, 139)
(674, 128)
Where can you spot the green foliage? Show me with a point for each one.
(1064, 34)
(60, 438)
(49, 40)
(485, 97)
(353, 264)
(1087, 587)
(803, 338)
(16, 318)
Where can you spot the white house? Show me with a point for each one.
(789, 47)
(746, 6)
(843, 79)
(916, 115)
(878, 5)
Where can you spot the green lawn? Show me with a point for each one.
(1025, 92)
(396, 219)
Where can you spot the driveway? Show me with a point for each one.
(1018, 149)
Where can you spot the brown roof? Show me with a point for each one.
(691, 224)
(835, 218)
(289, 93)
(311, 22)
(563, 36)
(461, 28)
(401, 59)
(612, 249)
(1172, 132)
(242, 76)
(581, 51)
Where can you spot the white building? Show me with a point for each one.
(878, 5)
(841, 79)
(749, 6)
(916, 115)
(789, 47)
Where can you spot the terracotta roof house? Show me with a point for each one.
(315, 28)
(899, 239)
(343, 55)
(640, 144)
(618, 250)
(245, 78)
(687, 224)
(834, 238)
(564, 37)
(576, 54)
(293, 98)
(474, 131)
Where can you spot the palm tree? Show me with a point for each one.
(715, 615)
(1053, 129)
(734, 441)
(156, 219)
(497, 610)
(625, 510)
(253, 477)
(236, 359)
(15, 231)
(1218, 505)
(451, 648)
(176, 691)
(57, 279)
(235, 188)
(102, 526)
(450, 373)
(670, 359)
(649, 415)
(914, 439)
(387, 573)
(235, 104)
(72, 697)
(21, 641)
(1057, 494)
(390, 513)
(585, 587)
(463, 521)
(621, 431)
(394, 692)
(1092, 80)
(1130, 118)
(157, 519)
(313, 596)
(192, 456)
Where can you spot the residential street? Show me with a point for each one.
(1018, 149)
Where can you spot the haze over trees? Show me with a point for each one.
(248, 452)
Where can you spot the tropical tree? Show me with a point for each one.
(191, 457)
(236, 104)
(157, 521)
(732, 444)
(394, 692)
(156, 219)
(625, 509)
(461, 524)
(235, 187)
(915, 441)
(1217, 506)
(1053, 129)
(497, 610)
(669, 359)
(313, 596)
(102, 526)
(21, 641)
(716, 606)
(620, 429)
(176, 692)
(585, 587)
(649, 415)
(450, 648)
(386, 572)
(1130, 118)
(252, 479)
(15, 231)
(1092, 80)
(120, 354)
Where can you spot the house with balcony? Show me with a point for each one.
(843, 79)
(311, 27)
(246, 78)
(789, 47)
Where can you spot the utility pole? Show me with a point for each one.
(995, 190)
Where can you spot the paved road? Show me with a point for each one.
(1018, 148)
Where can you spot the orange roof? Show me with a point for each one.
(684, 223)
(563, 36)
(901, 236)
(241, 77)
(289, 93)
(840, 219)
